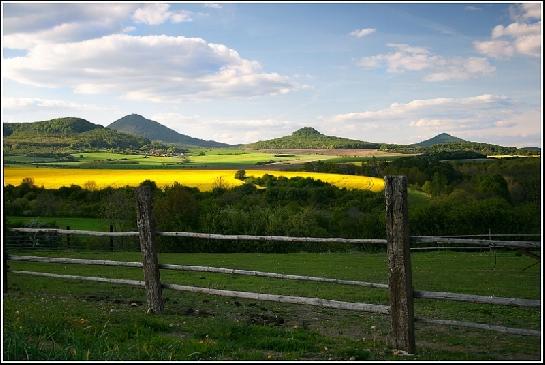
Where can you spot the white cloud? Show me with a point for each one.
(213, 5)
(495, 48)
(33, 109)
(525, 11)
(360, 33)
(155, 14)
(481, 118)
(409, 58)
(128, 29)
(531, 10)
(154, 68)
(472, 8)
(460, 69)
(521, 37)
(24, 104)
(436, 105)
(27, 25)
(429, 123)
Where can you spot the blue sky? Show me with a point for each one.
(237, 73)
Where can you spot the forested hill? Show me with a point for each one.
(59, 126)
(442, 138)
(139, 126)
(308, 137)
(447, 143)
(65, 134)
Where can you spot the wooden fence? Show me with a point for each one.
(401, 293)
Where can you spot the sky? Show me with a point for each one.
(242, 72)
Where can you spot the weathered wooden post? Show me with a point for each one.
(146, 230)
(399, 262)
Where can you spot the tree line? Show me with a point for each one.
(464, 199)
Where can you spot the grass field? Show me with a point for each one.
(203, 158)
(216, 157)
(250, 158)
(205, 180)
(106, 322)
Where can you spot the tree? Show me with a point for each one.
(240, 175)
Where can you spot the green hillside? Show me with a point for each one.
(58, 126)
(442, 138)
(445, 143)
(137, 125)
(65, 135)
(308, 137)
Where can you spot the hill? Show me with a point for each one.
(442, 138)
(445, 143)
(308, 137)
(65, 134)
(137, 125)
(60, 126)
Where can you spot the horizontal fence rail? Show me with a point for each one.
(75, 232)
(364, 307)
(487, 243)
(211, 236)
(490, 327)
(519, 302)
(494, 235)
(327, 303)
(456, 248)
(417, 293)
(215, 236)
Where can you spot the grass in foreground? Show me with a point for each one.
(106, 322)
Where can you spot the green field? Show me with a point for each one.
(216, 157)
(106, 322)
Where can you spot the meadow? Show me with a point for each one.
(194, 158)
(107, 322)
(205, 180)
(231, 157)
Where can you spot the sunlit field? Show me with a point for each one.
(205, 180)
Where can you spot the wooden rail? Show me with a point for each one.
(520, 302)
(492, 235)
(211, 236)
(364, 307)
(487, 243)
(242, 237)
(490, 327)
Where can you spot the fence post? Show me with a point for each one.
(68, 237)
(111, 238)
(399, 261)
(146, 230)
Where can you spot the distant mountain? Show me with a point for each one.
(308, 137)
(445, 143)
(442, 138)
(531, 149)
(65, 134)
(139, 126)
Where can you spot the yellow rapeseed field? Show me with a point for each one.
(205, 180)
